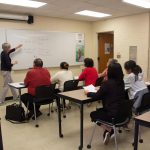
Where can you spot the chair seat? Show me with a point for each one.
(118, 124)
(43, 101)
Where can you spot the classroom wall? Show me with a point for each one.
(51, 24)
(128, 31)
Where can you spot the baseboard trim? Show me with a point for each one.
(8, 98)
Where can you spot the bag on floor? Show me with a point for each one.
(15, 113)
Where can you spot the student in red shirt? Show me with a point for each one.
(89, 74)
(35, 77)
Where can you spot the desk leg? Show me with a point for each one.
(1, 140)
(81, 127)
(20, 97)
(59, 117)
(136, 132)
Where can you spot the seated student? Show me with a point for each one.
(135, 83)
(35, 77)
(111, 93)
(104, 73)
(62, 76)
(89, 74)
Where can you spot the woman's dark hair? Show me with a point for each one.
(38, 62)
(88, 62)
(64, 65)
(131, 65)
(115, 72)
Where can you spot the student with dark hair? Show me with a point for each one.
(62, 76)
(111, 93)
(35, 77)
(89, 74)
(134, 83)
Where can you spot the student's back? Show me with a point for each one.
(62, 76)
(89, 74)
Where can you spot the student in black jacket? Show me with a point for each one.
(111, 93)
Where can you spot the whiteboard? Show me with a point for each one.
(51, 47)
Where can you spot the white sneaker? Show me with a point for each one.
(106, 138)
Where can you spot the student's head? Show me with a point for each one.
(6, 47)
(64, 65)
(38, 62)
(111, 61)
(115, 72)
(88, 62)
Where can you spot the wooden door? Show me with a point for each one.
(105, 49)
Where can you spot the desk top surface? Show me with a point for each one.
(17, 85)
(144, 117)
(76, 94)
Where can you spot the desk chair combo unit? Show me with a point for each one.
(144, 107)
(44, 96)
(114, 123)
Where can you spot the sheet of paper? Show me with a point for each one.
(90, 88)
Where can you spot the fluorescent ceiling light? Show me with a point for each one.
(141, 3)
(24, 3)
(92, 14)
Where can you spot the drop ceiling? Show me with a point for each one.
(67, 8)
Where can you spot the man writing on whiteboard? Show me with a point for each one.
(6, 67)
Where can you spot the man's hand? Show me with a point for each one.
(15, 62)
(86, 92)
(19, 46)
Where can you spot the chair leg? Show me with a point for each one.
(116, 144)
(36, 124)
(140, 139)
(52, 108)
(92, 135)
(49, 110)
(64, 112)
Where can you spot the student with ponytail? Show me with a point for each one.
(135, 83)
(62, 76)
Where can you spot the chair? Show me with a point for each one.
(99, 81)
(126, 107)
(144, 107)
(44, 95)
(69, 85)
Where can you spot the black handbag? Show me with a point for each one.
(15, 113)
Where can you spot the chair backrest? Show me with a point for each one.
(44, 92)
(145, 103)
(99, 81)
(71, 85)
(125, 108)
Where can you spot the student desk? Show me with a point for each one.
(141, 120)
(18, 86)
(79, 97)
(1, 140)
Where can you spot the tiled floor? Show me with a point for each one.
(27, 137)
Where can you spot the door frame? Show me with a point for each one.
(98, 57)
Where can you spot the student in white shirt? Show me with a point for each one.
(62, 76)
(135, 83)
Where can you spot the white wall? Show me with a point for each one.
(128, 31)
